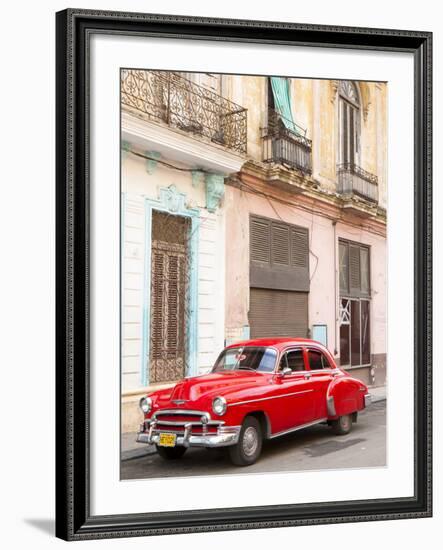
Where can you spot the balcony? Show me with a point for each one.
(353, 181)
(284, 142)
(176, 101)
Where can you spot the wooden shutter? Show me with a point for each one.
(364, 271)
(354, 265)
(280, 244)
(278, 313)
(343, 254)
(157, 297)
(260, 240)
(299, 247)
(279, 255)
(354, 269)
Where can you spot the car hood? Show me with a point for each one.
(208, 386)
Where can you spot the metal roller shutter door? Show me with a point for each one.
(278, 313)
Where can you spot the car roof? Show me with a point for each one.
(276, 342)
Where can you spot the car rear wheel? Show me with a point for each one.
(171, 453)
(249, 445)
(342, 425)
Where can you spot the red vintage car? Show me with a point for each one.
(258, 389)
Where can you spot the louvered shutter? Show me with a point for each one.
(173, 305)
(354, 269)
(280, 244)
(260, 239)
(299, 247)
(279, 255)
(157, 297)
(364, 271)
(343, 255)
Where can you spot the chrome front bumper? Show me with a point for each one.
(368, 399)
(216, 440)
(225, 436)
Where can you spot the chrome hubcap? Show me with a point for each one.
(250, 441)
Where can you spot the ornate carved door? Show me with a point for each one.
(169, 297)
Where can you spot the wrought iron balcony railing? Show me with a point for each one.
(180, 103)
(284, 142)
(353, 180)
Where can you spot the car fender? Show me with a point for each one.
(345, 396)
(235, 416)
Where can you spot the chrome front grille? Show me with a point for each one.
(179, 420)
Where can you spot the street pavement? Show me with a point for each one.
(314, 448)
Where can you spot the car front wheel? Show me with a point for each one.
(342, 425)
(171, 453)
(249, 445)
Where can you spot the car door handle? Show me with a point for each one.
(307, 375)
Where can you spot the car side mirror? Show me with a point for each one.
(285, 372)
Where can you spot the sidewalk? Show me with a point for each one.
(131, 449)
(378, 393)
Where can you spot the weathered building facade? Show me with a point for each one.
(251, 206)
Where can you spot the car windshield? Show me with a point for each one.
(246, 358)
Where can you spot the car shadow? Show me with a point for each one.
(309, 438)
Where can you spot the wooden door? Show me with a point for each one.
(169, 298)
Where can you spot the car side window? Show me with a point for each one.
(326, 363)
(317, 361)
(295, 360)
(283, 363)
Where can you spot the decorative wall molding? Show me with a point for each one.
(125, 148)
(215, 190)
(334, 84)
(366, 101)
(151, 163)
(197, 177)
(172, 200)
(365, 95)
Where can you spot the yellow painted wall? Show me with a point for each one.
(314, 104)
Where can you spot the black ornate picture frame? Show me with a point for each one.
(74, 30)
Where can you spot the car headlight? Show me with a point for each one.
(219, 405)
(146, 404)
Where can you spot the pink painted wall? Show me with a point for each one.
(324, 293)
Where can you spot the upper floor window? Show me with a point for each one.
(349, 122)
(354, 269)
(210, 81)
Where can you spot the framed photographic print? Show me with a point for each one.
(243, 274)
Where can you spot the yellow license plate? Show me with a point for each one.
(167, 440)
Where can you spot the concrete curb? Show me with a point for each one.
(377, 398)
(144, 450)
(377, 394)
